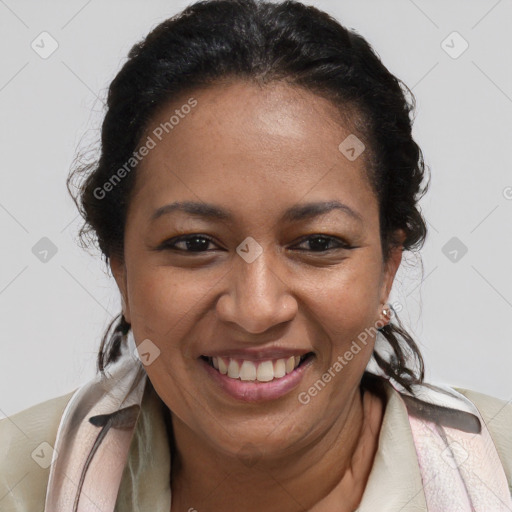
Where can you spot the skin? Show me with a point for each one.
(257, 151)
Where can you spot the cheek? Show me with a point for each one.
(160, 297)
(345, 309)
(162, 305)
(349, 297)
(168, 305)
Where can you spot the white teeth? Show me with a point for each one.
(233, 369)
(264, 371)
(248, 371)
(279, 368)
(221, 364)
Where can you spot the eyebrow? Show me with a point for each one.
(294, 214)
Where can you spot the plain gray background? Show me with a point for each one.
(53, 313)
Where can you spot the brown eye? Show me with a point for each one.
(323, 243)
(189, 243)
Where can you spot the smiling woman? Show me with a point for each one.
(255, 242)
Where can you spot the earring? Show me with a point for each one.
(386, 311)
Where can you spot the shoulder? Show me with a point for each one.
(27, 439)
(497, 415)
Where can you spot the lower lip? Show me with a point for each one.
(254, 391)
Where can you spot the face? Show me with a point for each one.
(277, 263)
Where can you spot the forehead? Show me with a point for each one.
(245, 141)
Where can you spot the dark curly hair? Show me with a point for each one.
(218, 40)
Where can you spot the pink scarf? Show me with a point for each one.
(460, 468)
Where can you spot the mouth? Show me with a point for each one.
(257, 371)
(257, 380)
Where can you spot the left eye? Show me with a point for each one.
(320, 243)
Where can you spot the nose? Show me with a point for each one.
(258, 297)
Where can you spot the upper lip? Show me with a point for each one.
(257, 354)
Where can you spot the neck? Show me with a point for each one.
(333, 467)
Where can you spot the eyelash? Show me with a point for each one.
(171, 243)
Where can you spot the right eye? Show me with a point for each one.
(190, 243)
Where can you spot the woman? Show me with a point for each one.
(257, 185)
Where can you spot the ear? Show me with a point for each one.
(119, 272)
(392, 264)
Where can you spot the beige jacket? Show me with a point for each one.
(394, 483)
